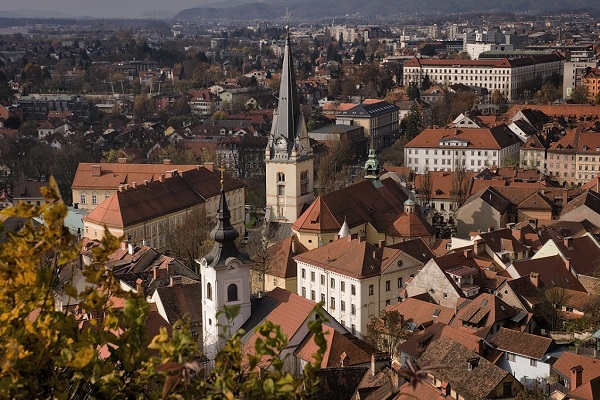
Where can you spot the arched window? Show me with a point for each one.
(280, 177)
(232, 292)
(209, 291)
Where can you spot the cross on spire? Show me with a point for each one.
(287, 14)
(222, 169)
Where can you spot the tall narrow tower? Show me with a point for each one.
(225, 274)
(288, 156)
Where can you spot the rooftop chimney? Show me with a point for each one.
(490, 229)
(565, 197)
(576, 377)
(124, 244)
(96, 170)
(121, 188)
(479, 246)
(167, 161)
(122, 160)
(134, 185)
(535, 279)
(161, 178)
(568, 241)
(468, 253)
(344, 359)
(568, 264)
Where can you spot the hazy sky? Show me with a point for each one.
(101, 8)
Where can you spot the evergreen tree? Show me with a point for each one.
(413, 91)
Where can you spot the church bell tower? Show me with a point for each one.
(288, 156)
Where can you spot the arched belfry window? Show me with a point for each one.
(209, 291)
(232, 292)
(280, 177)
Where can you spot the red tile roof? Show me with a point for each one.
(525, 344)
(422, 312)
(566, 361)
(496, 138)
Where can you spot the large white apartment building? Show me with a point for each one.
(474, 148)
(356, 280)
(507, 76)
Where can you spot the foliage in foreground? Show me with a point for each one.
(45, 353)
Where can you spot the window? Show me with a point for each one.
(532, 362)
(281, 190)
(342, 286)
(353, 329)
(322, 279)
(387, 302)
(94, 199)
(303, 273)
(332, 283)
(209, 291)
(232, 292)
(312, 276)
(370, 290)
(323, 298)
(303, 292)
(312, 295)
(343, 306)
(352, 290)
(82, 199)
(510, 357)
(399, 282)
(353, 309)
(387, 286)
(332, 303)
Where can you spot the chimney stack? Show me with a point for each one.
(565, 197)
(576, 377)
(121, 188)
(568, 242)
(161, 178)
(167, 161)
(293, 246)
(535, 279)
(479, 246)
(568, 264)
(468, 253)
(96, 170)
(122, 160)
(344, 360)
(134, 185)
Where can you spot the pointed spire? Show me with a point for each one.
(288, 120)
(372, 164)
(344, 230)
(224, 235)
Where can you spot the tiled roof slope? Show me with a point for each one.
(525, 344)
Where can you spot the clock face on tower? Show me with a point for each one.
(302, 149)
(281, 143)
(233, 266)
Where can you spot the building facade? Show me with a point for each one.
(507, 76)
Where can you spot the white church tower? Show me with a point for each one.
(288, 156)
(225, 274)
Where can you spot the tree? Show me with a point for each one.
(143, 106)
(189, 239)
(178, 153)
(412, 122)
(333, 167)
(498, 98)
(555, 299)
(548, 94)
(258, 249)
(460, 185)
(394, 154)
(413, 91)
(48, 353)
(386, 332)
(113, 155)
(425, 188)
(426, 82)
(580, 95)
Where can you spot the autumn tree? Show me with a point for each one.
(412, 123)
(258, 249)
(580, 95)
(425, 188)
(178, 153)
(333, 167)
(143, 106)
(189, 239)
(103, 351)
(386, 332)
(461, 183)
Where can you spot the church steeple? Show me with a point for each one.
(224, 235)
(372, 164)
(288, 122)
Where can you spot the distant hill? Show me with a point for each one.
(317, 9)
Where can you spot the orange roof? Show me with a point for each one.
(559, 110)
(422, 312)
(496, 138)
(111, 175)
(354, 350)
(566, 361)
(290, 314)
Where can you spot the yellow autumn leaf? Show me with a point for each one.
(82, 358)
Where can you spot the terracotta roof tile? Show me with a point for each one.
(525, 344)
(422, 312)
(496, 138)
(567, 360)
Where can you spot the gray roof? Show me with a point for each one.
(369, 110)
